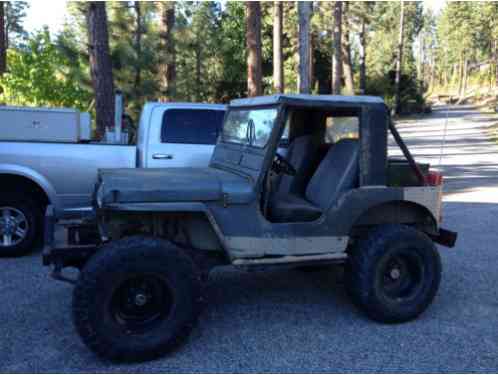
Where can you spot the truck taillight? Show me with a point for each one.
(434, 178)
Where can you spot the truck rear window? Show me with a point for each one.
(344, 127)
(194, 126)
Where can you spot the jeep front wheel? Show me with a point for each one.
(394, 273)
(136, 299)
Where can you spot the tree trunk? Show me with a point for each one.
(6, 24)
(253, 44)
(496, 63)
(363, 56)
(198, 71)
(138, 49)
(3, 38)
(460, 75)
(465, 78)
(337, 57)
(304, 10)
(420, 62)
(312, 59)
(347, 64)
(278, 66)
(100, 65)
(399, 60)
(167, 66)
(454, 74)
(433, 74)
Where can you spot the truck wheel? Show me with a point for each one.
(20, 224)
(136, 299)
(394, 274)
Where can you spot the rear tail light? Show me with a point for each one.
(434, 178)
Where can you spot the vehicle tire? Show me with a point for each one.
(394, 273)
(20, 224)
(136, 299)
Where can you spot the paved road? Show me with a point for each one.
(288, 321)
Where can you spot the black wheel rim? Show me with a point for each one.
(401, 276)
(141, 303)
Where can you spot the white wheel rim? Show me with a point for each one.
(13, 226)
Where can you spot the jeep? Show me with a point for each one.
(294, 181)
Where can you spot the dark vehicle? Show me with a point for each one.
(335, 197)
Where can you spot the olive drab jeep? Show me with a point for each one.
(294, 180)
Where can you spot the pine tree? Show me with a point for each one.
(253, 43)
(3, 40)
(278, 66)
(347, 63)
(399, 59)
(15, 12)
(304, 11)
(337, 57)
(167, 63)
(100, 65)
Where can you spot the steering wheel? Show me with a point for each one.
(282, 165)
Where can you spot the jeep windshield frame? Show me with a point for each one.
(243, 157)
(250, 127)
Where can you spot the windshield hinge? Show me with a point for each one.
(225, 200)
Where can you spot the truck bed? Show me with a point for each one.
(67, 171)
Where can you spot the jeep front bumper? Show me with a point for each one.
(67, 244)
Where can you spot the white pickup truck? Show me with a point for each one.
(34, 174)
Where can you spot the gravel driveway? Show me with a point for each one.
(290, 321)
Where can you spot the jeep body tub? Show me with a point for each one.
(226, 194)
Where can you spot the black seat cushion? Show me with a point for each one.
(291, 208)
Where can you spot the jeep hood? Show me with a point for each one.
(136, 185)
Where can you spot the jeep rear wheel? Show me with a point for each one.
(136, 299)
(394, 273)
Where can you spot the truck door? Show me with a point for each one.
(187, 138)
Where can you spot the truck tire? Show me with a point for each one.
(136, 299)
(20, 224)
(394, 273)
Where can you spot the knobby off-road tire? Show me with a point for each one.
(20, 224)
(394, 273)
(136, 299)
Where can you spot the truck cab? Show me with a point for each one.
(47, 157)
(178, 134)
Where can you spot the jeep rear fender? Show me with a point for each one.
(403, 212)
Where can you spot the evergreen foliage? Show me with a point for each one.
(211, 51)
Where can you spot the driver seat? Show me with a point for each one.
(337, 173)
(302, 156)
